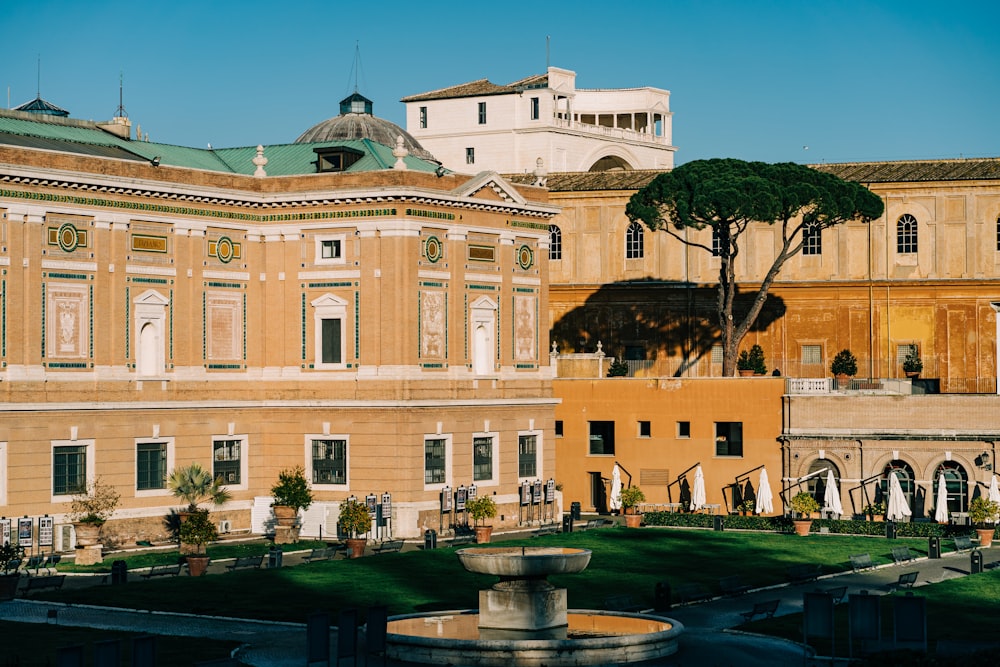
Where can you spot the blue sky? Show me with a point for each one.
(759, 80)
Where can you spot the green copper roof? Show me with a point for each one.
(87, 138)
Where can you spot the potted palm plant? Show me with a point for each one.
(844, 366)
(803, 505)
(631, 497)
(984, 514)
(354, 522)
(90, 509)
(291, 494)
(481, 508)
(194, 485)
(197, 531)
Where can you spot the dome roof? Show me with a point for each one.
(357, 122)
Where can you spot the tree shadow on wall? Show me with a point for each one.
(650, 319)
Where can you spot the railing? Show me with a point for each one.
(613, 132)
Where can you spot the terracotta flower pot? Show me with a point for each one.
(746, 372)
(985, 537)
(197, 564)
(802, 526)
(87, 534)
(285, 515)
(484, 534)
(633, 520)
(356, 546)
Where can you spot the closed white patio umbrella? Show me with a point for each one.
(941, 502)
(765, 499)
(831, 497)
(897, 502)
(698, 492)
(615, 502)
(994, 494)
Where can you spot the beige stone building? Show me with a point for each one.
(337, 305)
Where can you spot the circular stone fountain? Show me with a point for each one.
(524, 620)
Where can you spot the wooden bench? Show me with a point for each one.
(803, 573)
(41, 583)
(549, 529)
(862, 562)
(622, 603)
(162, 571)
(464, 534)
(253, 562)
(595, 523)
(692, 592)
(902, 555)
(388, 546)
(328, 552)
(963, 543)
(765, 609)
(906, 580)
(733, 585)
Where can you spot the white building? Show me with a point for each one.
(480, 125)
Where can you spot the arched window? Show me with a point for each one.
(904, 473)
(906, 234)
(817, 484)
(633, 241)
(956, 483)
(555, 242)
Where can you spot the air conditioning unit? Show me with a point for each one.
(65, 537)
(225, 526)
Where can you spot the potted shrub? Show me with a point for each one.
(875, 511)
(481, 508)
(11, 556)
(912, 365)
(984, 514)
(743, 364)
(618, 369)
(354, 521)
(803, 505)
(747, 507)
(291, 494)
(197, 531)
(844, 366)
(90, 509)
(631, 497)
(751, 362)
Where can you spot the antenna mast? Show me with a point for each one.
(548, 38)
(120, 113)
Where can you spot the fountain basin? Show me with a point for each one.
(524, 562)
(592, 638)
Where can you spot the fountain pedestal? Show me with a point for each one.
(521, 606)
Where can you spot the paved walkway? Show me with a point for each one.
(707, 640)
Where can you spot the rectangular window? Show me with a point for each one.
(716, 242)
(534, 108)
(812, 240)
(227, 460)
(527, 456)
(434, 460)
(150, 466)
(716, 354)
(330, 249)
(644, 429)
(482, 458)
(329, 461)
(69, 469)
(331, 341)
(423, 118)
(729, 438)
(683, 429)
(482, 113)
(559, 428)
(812, 354)
(470, 156)
(905, 350)
(602, 437)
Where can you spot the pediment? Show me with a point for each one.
(489, 185)
(151, 298)
(328, 300)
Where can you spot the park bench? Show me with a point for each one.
(162, 571)
(595, 523)
(388, 546)
(464, 534)
(861, 562)
(906, 580)
(765, 609)
(838, 593)
(733, 585)
(40, 583)
(902, 555)
(963, 543)
(692, 592)
(252, 562)
(328, 552)
(622, 603)
(548, 529)
(804, 572)
(34, 562)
